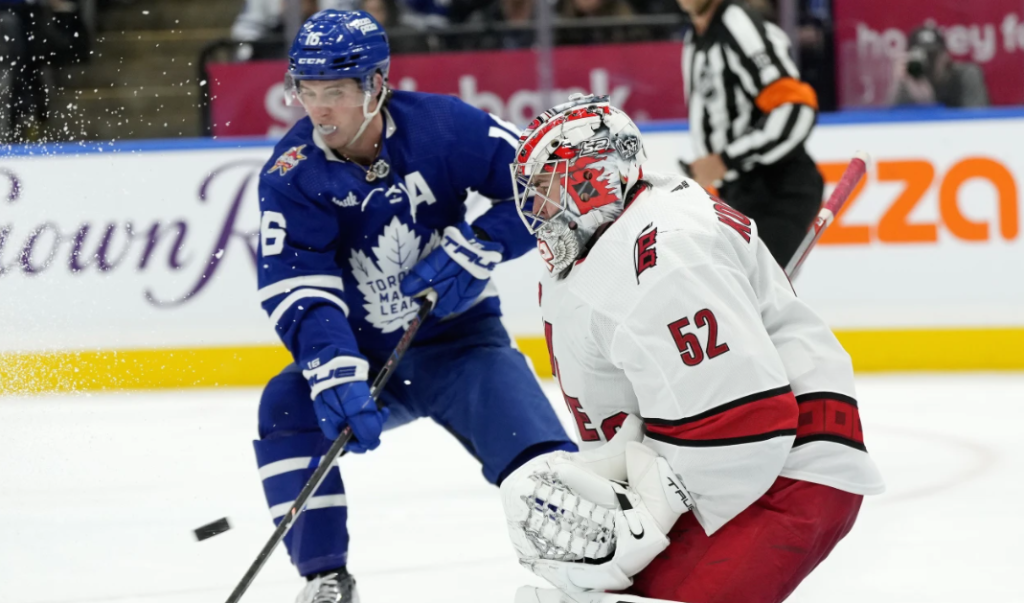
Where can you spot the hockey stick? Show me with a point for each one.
(426, 306)
(851, 177)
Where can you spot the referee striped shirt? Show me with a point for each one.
(746, 100)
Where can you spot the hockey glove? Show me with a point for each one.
(458, 270)
(341, 397)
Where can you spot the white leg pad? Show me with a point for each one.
(532, 594)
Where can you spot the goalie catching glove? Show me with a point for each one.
(575, 523)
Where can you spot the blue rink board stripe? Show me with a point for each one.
(874, 116)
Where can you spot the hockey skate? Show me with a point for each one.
(335, 587)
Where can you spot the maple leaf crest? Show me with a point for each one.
(397, 251)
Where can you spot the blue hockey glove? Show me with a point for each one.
(458, 270)
(341, 397)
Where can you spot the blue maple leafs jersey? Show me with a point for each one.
(334, 248)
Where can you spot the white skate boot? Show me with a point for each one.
(335, 587)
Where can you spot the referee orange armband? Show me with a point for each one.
(786, 90)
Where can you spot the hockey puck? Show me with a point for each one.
(212, 529)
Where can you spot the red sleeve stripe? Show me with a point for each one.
(754, 418)
(829, 417)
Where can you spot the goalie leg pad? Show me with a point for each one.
(532, 594)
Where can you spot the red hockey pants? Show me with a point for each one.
(758, 557)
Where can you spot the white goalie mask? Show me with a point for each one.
(573, 167)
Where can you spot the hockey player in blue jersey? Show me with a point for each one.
(362, 208)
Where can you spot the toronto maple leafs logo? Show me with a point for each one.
(288, 160)
(397, 251)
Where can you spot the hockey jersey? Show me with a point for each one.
(334, 246)
(679, 315)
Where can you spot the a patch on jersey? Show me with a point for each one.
(349, 200)
(762, 60)
(682, 185)
(397, 251)
(706, 84)
(645, 252)
(288, 160)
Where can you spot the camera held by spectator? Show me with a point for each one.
(931, 76)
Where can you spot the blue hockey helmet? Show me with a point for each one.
(333, 45)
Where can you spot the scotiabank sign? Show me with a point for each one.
(643, 79)
(871, 39)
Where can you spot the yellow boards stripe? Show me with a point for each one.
(875, 350)
(139, 369)
(935, 349)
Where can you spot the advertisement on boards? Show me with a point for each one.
(159, 253)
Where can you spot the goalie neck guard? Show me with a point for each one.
(573, 167)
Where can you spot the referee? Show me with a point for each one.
(749, 117)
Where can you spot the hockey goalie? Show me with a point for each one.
(722, 456)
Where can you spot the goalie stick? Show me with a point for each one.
(851, 177)
(336, 449)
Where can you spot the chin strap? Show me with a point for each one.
(367, 115)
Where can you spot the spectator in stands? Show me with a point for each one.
(764, 8)
(12, 52)
(36, 36)
(515, 13)
(577, 9)
(384, 11)
(402, 38)
(816, 49)
(261, 24)
(930, 76)
(571, 9)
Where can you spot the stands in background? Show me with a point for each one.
(36, 38)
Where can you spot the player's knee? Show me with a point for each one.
(285, 406)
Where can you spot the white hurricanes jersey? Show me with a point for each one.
(681, 316)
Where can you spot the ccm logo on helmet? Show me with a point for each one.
(312, 61)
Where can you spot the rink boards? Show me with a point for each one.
(132, 264)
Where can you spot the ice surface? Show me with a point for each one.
(100, 495)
